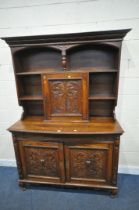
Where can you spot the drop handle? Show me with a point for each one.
(88, 162)
(42, 161)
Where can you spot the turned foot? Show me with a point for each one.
(22, 186)
(113, 193)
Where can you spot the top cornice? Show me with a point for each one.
(114, 35)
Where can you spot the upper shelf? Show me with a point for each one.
(33, 98)
(49, 70)
(97, 97)
(86, 57)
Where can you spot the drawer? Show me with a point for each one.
(89, 163)
(42, 161)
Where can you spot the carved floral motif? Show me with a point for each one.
(42, 162)
(88, 163)
(65, 96)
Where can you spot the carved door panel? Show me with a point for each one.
(89, 163)
(42, 160)
(66, 95)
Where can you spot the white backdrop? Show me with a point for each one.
(34, 17)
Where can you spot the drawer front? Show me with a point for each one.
(89, 163)
(42, 160)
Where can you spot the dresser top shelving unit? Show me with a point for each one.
(94, 54)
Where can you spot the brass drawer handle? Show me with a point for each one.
(42, 161)
(88, 162)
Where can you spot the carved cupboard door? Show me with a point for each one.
(42, 161)
(89, 163)
(66, 95)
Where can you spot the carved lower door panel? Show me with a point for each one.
(42, 161)
(89, 163)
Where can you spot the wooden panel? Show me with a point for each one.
(32, 59)
(102, 84)
(102, 108)
(33, 108)
(89, 163)
(42, 160)
(97, 125)
(30, 85)
(66, 95)
(92, 56)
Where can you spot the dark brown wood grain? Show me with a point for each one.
(30, 86)
(96, 36)
(42, 160)
(66, 95)
(89, 163)
(68, 87)
(96, 125)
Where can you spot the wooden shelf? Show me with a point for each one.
(28, 73)
(39, 71)
(102, 98)
(94, 69)
(88, 69)
(33, 98)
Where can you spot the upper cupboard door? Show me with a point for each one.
(66, 95)
(42, 161)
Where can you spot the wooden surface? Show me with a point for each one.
(94, 126)
(60, 38)
(42, 160)
(96, 54)
(66, 95)
(89, 163)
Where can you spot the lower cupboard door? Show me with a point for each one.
(89, 163)
(42, 161)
